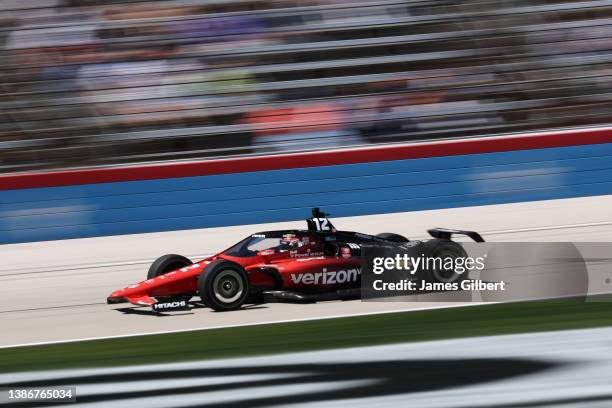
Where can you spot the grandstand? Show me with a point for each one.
(89, 83)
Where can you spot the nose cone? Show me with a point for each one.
(133, 294)
(169, 284)
(125, 292)
(119, 296)
(116, 297)
(117, 293)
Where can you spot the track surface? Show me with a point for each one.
(568, 369)
(54, 291)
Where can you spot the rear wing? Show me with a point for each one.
(444, 233)
(319, 221)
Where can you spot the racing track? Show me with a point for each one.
(56, 290)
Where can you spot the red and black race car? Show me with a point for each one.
(319, 263)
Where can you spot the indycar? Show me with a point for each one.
(299, 265)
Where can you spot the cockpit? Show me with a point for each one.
(274, 242)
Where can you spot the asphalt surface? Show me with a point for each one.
(55, 291)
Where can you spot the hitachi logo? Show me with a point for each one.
(326, 277)
(170, 305)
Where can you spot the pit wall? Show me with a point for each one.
(167, 197)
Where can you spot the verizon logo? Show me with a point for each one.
(326, 277)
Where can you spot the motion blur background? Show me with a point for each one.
(110, 82)
(97, 82)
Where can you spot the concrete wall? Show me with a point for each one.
(248, 197)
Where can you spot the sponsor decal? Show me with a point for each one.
(310, 259)
(352, 245)
(167, 306)
(326, 277)
(258, 235)
(410, 244)
(307, 254)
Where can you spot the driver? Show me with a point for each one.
(289, 241)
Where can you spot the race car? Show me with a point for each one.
(301, 265)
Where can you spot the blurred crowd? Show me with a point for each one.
(96, 82)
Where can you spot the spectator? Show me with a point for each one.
(316, 126)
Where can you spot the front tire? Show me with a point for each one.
(223, 286)
(167, 263)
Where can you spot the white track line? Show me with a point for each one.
(547, 228)
(98, 265)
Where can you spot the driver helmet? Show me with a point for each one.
(290, 240)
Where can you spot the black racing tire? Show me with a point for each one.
(443, 248)
(167, 263)
(389, 236)
(223, 286)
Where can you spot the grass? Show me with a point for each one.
(312, 335)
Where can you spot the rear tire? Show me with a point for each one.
(223, 286)
(443, 248)
(167, 263)
(389, 236)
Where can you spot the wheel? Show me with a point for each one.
(443, 249)
(223, 286)
(167, 263)
(389, 236)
